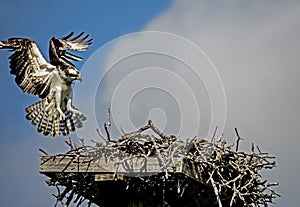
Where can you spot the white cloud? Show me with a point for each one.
(255, 48)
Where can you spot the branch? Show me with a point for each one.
(238, 140)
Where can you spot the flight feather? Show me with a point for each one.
(54, 114)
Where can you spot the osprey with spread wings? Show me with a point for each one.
(54, 113)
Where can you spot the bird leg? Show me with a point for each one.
(70, 108)
(48, 106)
(62, 115)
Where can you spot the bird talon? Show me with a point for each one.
(62, 116)
(51, 81)
(76, 112)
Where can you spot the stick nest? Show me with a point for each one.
(226, 176)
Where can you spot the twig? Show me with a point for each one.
(107, 126)
(232, 175)
(238, 140)
(214, 134)
(215, 190)
(44, 152)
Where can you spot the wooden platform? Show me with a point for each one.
(135, 181)
(134, 166)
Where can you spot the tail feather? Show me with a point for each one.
(43, 123)
(56, 127)
(64, 129)
(78, 123)
(32, 108)
(62, 126)
(36, 116)
(49, 126)
(45, 115)
(69, 122)
(78, 119)
(36, 106)
(37, 119)
(31, 115)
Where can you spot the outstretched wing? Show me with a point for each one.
(32, 71)
(58, 48)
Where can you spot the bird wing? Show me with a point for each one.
(58, 48)
(33, 73)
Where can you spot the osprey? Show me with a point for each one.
(54, 113)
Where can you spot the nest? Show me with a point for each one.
(222, 175)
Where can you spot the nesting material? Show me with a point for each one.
(160, 168)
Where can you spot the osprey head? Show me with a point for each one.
(71, 73)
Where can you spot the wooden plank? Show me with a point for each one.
(84, 164)
(108, 177)
(134, 166)
(68, 164)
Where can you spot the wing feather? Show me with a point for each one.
(73, 57)
(34, 75)
(25, 62)
(58, 48)
(68, 36)
(76, 37)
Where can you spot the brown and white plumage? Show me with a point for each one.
(58, 48)
(54, 113)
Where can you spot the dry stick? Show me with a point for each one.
(100, 135)
(78, 197)
(58, 196)
(69, 143)
(146, 126)
(243, 164)
(220, 138)
(215, 190)
(84, 147)
(62, 195)
(238, 140)
(122, 130)
(233, 196)
(81, 200)
(69, 199)
(108, 121)
(49, 158)
(44, 152)
(107, 126)
(160, 159)
(133, 134)
(214, 134)
(68, 164)
(156, 130)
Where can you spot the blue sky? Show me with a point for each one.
(253, 45)
(20, 182)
